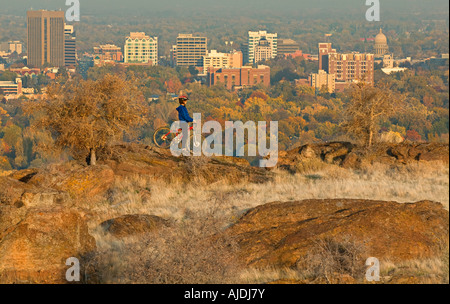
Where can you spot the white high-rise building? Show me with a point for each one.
(140, 48)
(215, 59)
(253, 42)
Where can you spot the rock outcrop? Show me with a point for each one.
(352, 156)
(35, 249)
(281, 234)
(128, 159)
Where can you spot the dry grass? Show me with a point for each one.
(330, 260)
(193, 251)
(427, 271)
(184, 252)
(343, 262)
(173, 200)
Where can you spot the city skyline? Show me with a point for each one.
(335, 70)
(193, 50)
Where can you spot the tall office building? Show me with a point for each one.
(140, 48)
(253, 41)
(70, 48)
(190, 50)
(45, 38)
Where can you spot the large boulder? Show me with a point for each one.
(281, 234)
(35, 249)
(78, 181)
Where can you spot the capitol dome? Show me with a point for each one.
(381, 38)
(381, 46)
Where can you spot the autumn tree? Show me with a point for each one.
(86, 116)
(3, 113)
(367, 107)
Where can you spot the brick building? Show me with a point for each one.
(234, 78)
(350, 67)
(107, 53)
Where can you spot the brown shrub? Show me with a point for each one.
(333, 261)
(193, 251)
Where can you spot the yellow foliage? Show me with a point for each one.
(3, 113)
(315, 108)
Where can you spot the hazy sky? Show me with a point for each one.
(323, 8)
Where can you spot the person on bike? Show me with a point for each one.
(183, 114)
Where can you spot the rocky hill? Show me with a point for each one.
(42, 224)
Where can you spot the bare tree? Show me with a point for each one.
(367, 107)
(86, 116)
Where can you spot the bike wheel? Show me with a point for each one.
(163, 137)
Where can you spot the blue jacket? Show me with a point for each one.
(183, 114)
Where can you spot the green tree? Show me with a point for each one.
(8, 76)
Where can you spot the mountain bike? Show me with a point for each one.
(163, 137)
